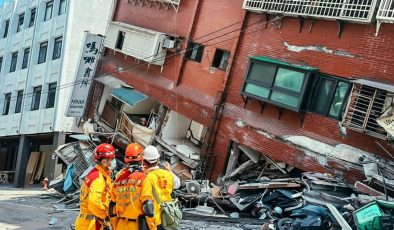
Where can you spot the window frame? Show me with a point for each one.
(54, 47)
(1, 63)
(19, 100)
(59, 12)
(51, 103)
(33, 14)
(308, 72)
(7, 104)
(120, 40)
(190, 49)
(25, 60)
(21, 19)
(37, 91)
(317, 87)
(48, 5)
(13, 67)
(215, 58)
(6, 28)
(39, 52)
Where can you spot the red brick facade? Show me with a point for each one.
(190, 87)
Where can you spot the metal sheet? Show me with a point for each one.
(375, 84)
(110, 81)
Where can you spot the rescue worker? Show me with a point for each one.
(126, 190)
(163, 181)
(95, 196)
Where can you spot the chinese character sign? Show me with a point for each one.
(84, 75)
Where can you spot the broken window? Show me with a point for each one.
(330, 96)
(276, 82)
(220, 59)
(194, 51)
(366, 105)
(120, 40)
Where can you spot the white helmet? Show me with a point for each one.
(151, 154)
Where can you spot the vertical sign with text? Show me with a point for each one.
(84, 75)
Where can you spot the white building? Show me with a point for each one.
(40, 42)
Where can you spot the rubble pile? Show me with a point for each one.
(310, 201)
(258, 190)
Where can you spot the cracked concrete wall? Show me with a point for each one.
(319, 48)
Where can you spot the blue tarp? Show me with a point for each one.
(128, 96)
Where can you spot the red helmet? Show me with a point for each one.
(104, 151)
(133, 153)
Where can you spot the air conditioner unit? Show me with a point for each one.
(168, 43)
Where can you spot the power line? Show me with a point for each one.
(27, 95)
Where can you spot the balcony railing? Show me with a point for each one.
(159, 3)
(386, 11)
(360, 11)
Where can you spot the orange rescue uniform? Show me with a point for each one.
(126, 193)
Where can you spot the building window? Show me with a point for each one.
(51, 95)
(276, 82)
(62, 7)
(42, 55)
(32, 17)
(194, 52)
(220, 59)
(120, 40)
(57, 48)
(25, 58)
(1, 63)
(14, 60)
(48, 11)
(20, 22)
(366, 105)
(19, 98)
(7, 101)
(35, 103)
(6, 27)
(330, 96)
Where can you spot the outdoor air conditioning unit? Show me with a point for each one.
(168, 43)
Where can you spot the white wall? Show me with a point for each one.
(106, 96)
(176, 126)
(93, 16)
(80, 16)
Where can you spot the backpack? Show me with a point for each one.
(171, 214)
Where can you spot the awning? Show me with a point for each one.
(375, 84)
(128, 96)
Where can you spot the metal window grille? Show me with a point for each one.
(386, 11)
(160, 4)
(349, 10)
(366, 104)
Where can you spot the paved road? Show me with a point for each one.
(24, 209)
